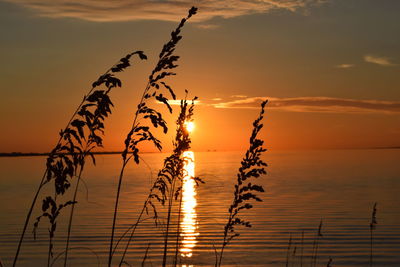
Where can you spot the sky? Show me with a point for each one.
(330, 69)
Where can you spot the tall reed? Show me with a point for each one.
(372, 227)
(288, 251)
(172, 175)
(319, 235)
(68, 155)
(302, 248)
(139, 131)
(252, 166)
(94, 122)
(173, 169)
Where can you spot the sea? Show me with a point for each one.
(316, 210)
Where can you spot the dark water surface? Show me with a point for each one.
(339, 186)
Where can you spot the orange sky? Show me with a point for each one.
(330, 71)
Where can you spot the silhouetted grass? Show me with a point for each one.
(329, 263)
(139, 131)
(170, 178)
(252, 166)
(372, 227)
(145, 255)
(314, 255)
(81, 134)
(171, 172)
(302, 248)
(288, 251)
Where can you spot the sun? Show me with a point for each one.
(189, 126)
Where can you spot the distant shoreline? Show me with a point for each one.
(389, 147)
(32, 154)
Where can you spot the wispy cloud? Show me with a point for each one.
(170, 10)
(345, 66)
(383, 61)
(207, 26)
(239, 96)
(316, 104)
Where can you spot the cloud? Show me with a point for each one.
(316, 104)
(239, 96)
(169, 10)
(207, 26)
(383, 61)
(344, 66)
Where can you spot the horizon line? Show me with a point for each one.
(33, 154)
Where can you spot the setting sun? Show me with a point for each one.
(190, 126)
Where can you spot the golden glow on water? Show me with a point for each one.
(189, 203)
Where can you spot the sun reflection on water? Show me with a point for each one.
(189, 219)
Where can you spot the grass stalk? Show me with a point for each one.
(372, 227)
(145, 255)
(45, 178)
(301, 248)
(288, 251)
(132, 233)
(76, 248)
(170, 204)
(251, 167)
(315, 246)
(49, 251)
(43, 182)
(71, 216)
(181, 144)
(178, 230)
(140, 133)
(116, 209)
(28, 217)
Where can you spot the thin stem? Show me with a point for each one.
(124, 163)
(179, 228)
(302, 244)
(72, 214)
(49, 253)
(170, 202)
(115, 211)
(145, 255)
(61, 253)
(370, 255)
(216, 255)
(225, 242)
(133, 232)
(28, 216)
(124, 234)
(51, 235)
(313, 252)
(316, 252)
(288, 251)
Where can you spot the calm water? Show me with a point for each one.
(301, 188)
